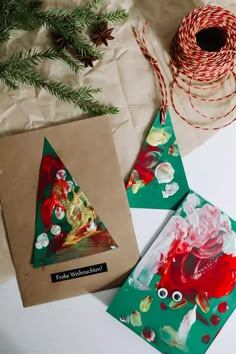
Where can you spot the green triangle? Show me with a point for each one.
(67, 226)
(158, 180)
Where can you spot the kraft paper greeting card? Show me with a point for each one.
(158, 180)
(67, 226)
(183, 291)
(65, 210)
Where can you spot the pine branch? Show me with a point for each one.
(59, 13)
(67, 27)
(97, 108)
(74, 64)
(69, 20)
(96, 4)
(82, 97)
(86, 17)
(5, 36)
(88, 90)
(84, 47)
(19, 15)
(24, 60)
(9, 83)
(113, 16)
(92, 5)
(27, 58)
(71, 24)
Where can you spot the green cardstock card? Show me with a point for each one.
(182, 292)
(67, 225)
(158, 180)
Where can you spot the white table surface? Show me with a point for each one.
(80, 325)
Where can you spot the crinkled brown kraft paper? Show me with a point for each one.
(125, 76)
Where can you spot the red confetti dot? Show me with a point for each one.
(206, 339)
(215, 320)
(223, 307)
(163, 306)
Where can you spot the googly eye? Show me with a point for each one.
(162, 293)
(177, 296)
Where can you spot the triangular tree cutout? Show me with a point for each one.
(67, 226)
(158, 180)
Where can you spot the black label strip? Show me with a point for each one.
(79, 272)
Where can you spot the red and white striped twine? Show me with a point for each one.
(143, 46)
(195, 68)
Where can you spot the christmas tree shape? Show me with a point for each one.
(67, 226)
(158, 179)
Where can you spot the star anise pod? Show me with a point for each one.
(102, 35)
(86, 60)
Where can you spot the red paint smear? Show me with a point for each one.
(202, 319)
(49, 166)
(142, 166)
(215, 320)
(26, 274)
(223, 307)
(163, 306)
(206, 339)
(171, 149)
(43, 267)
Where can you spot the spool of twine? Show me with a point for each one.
(202, 58)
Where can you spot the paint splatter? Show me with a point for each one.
(206, 339)
(163, 306)
(215, 320)
(146, 304)
(202, 319)
(223, 307)
(124, 319)
(135, 319)
(148, 334)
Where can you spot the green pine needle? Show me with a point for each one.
(9, 83)
(97, 108)
(89, 90)
(113, 16)
(26, 58)
(84, 47)
(5, 36)
(96, 4)
(74, 64)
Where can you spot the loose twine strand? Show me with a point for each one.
(143, 46)
(195, 68)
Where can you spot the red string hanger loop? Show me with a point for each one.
(202, 57)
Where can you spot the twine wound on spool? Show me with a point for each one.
(202, 57)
